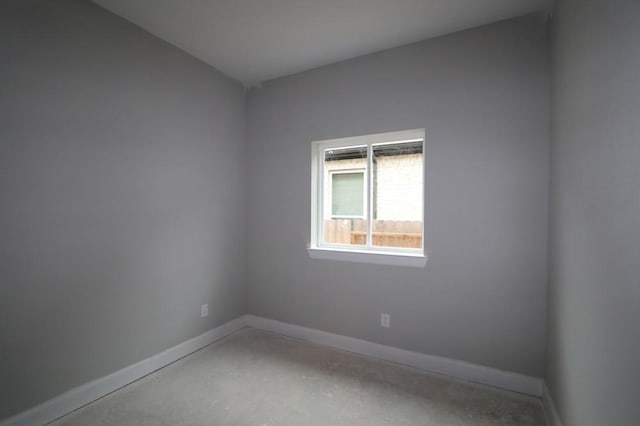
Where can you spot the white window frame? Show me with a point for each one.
(363, 172)
(367, 254)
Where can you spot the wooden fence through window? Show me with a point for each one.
(386, 233)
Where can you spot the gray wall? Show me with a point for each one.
(121, 193)
(483, 97)
(594, 298)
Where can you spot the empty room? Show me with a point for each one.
(320, 212)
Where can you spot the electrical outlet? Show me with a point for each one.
(204, 310)
(385, 320)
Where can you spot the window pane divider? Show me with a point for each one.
(369, 196)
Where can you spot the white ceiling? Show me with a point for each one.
(257, 40)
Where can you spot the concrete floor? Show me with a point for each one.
(258, 378)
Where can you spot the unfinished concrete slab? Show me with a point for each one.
(258, 378)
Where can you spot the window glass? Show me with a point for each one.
(397, 194)
(345, 197)
(347, 194)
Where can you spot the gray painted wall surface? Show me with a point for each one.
(122, 197)
(594, 298)
(483, 97)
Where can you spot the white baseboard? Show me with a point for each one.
(454, 368)
(88, 392)
(550, 412)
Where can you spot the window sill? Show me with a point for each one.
(361, 256)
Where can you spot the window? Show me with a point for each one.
(367, 198)
(347, 194)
